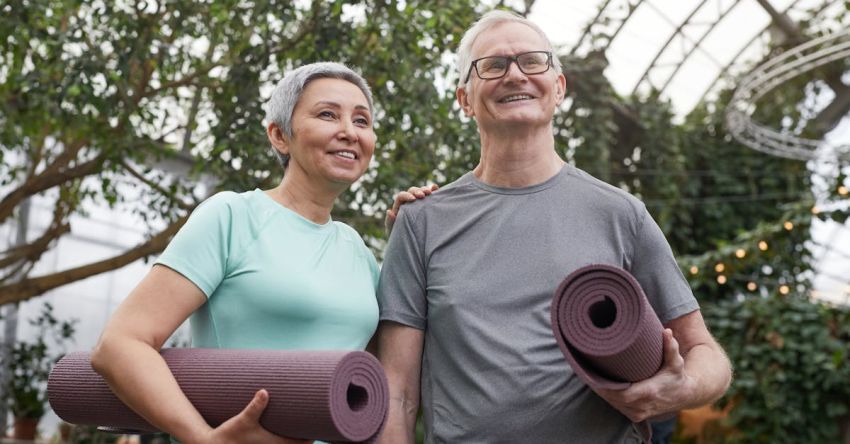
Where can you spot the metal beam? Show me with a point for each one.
(632, 5)
(696, 46)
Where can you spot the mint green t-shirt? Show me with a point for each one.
(273, 279)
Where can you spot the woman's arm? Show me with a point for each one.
(127, 356)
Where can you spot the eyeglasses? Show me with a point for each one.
(494, 67)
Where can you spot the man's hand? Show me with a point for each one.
(404, 197)
(665, 392)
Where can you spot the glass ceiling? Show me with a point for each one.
(689, 50)
(683, 48)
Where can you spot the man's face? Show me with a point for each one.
(517, 100)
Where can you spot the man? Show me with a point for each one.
(470, 272)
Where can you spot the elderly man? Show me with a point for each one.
(470, 272)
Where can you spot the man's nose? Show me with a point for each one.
(514, 73)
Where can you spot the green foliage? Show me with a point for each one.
(27, 364)
(113, 104)
(792, 364)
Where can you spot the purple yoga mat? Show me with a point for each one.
(338, 396)
(607, 330)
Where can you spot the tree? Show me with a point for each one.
(134, 104)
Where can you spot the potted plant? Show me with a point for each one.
(27, 366)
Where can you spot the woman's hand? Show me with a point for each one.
(404, 197)
(245, 427)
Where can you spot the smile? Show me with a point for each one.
(345, 154)
(515, 97)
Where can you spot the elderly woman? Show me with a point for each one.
(263, 269)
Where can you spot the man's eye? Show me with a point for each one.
(494, 65)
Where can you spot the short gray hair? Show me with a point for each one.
(287, 93)
(486, 22)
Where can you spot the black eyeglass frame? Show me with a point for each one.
(510, 59)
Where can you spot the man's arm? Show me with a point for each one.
(695, 372)
(400, 353)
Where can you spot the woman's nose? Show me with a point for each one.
(348, 132)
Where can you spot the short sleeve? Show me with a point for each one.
(402, 288)
(655, 268)
(376, 270)
(200, 249)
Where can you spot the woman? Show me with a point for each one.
(262, 269)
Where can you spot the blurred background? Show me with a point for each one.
(730, 119)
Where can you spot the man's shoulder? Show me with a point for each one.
(441, 200)
(600, 193)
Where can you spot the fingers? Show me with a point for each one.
(257, 405)
(403, 197)
(672, 358)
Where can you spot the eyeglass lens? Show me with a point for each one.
(497, 66)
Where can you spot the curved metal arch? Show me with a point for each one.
(794, 62)
(632, 5)
(696, 45)
(722, 75)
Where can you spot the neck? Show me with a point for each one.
(312, 202)
(516, 159)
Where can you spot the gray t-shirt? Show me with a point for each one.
(476, 267)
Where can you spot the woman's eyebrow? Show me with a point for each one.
(337, 105)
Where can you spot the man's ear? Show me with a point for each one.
(463, 100)
(561, 88)
(277, 138)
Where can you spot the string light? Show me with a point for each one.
(762, 245)
(788, 225)
(783, 289)
(752, 286)
(842, 190)
(740, 253)
(719, 267)
(815, 210)
(694, 269)
(721, 279)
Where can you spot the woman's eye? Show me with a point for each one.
(328, 114)
(362, 121)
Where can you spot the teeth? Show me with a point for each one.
(515, 98)
(346, 154)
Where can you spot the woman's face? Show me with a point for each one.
(333, 139)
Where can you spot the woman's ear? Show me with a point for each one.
(277, 138)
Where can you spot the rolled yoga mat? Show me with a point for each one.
(336, 396)
(607, 330)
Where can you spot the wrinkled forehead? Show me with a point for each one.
(508, 38)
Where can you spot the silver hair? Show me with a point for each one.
(486, 22)
(287, 93)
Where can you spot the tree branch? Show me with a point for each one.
(29, 288)
(129, 168)
(829, 117)
(45, 180)
(32, 251)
